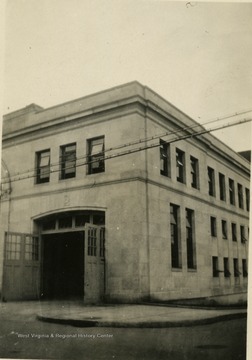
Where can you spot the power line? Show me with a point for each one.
(144, 140)
(192, 135)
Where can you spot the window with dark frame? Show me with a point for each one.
(224, 229)
(236, 268)
(42, 166)
(211, 181)
(231, 192)
(164, 158)
(96, 161)
(240, 196)
(194, 172)
(215, 266)
(222, 186)
(243, 237)
(190, 240)
(68, 161)
(247, 194)
(175, 239)
(244, 268)
(234, 232)
(226, 267)
(213, 225)
(180, 166)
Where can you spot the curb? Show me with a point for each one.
(141, 324)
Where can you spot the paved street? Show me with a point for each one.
(30, 338)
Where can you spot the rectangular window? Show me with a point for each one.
(234, 232)
(243, 237)
(13, 246)
(226, 267)
(175, 238)
(222, 187)
(48, 224)
(164, 158)
(92, 242)
(244, 268)
(247, 193)
(180, 165)
(224, 229)
(81, 220)
(42, 166)
(31, 248)
(215, 266)
(194, 172)
(67, 161)
(190, 240)
(65, 222)
(231, 192)
(211, 181)
(240, 196)
(236, 268)
(213, 226)
(96, 162)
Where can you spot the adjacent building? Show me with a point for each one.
(120, 196)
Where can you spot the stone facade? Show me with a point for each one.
(150, 253)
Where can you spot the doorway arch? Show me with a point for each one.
(73, 255)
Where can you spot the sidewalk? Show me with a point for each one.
(137, 316)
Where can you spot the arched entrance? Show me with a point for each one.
(73, 256)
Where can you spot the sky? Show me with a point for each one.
(196, 55)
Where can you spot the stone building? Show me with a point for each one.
(117, 197)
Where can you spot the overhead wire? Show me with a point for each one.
(144, 140)
(134, 150)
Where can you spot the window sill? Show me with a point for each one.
(176, 269)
